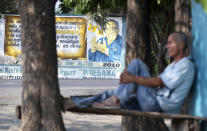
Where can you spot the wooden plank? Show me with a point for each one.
(133, 113)
(123, 112)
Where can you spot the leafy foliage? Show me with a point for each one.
(85, 6)
(100, 17)
(161, 25)
(96, 10)
(203, 3)
(8, 6)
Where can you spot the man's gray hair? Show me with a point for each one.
(180, 37)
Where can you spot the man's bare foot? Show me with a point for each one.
(68, 104)
(112, 102)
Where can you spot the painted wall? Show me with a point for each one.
(198, 103)
(74, 39)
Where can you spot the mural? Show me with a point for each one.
(109, 47)
(83, 50)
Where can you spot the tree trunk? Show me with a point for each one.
(138, 47)
(183, 16)
(41, 106)
(143, 124)
(183, 24)
(138, 44)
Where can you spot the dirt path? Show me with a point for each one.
(10, 97)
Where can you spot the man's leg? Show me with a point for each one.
(88, 101)
(138, 68)
(123, 92)
(146, 97)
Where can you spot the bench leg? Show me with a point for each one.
(196, 125)
(185, 125)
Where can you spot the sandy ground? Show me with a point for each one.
(10, 97)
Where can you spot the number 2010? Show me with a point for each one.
(111, 64)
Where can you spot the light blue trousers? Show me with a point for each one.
(131, 95)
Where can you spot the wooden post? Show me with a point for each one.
(185, 125)
(137, 124)
(180, 125)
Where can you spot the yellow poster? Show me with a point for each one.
(12, 44)
(71, 37)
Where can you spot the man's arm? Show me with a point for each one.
(126, 77)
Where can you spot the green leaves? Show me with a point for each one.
(8, 6)
(100, 17)
(204, 4)
(158, 1)
(78, 6)
(85, 6)
(97, 10)
(113, 2)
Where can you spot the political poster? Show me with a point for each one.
(84, 51)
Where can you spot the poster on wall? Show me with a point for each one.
(84, 51)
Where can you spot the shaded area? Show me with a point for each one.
(10, 96)
(86, 122)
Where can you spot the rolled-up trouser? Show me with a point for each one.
(137, 68)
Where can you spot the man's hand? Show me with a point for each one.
(102, 47)
(126, 77)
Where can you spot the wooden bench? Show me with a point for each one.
(180, 122)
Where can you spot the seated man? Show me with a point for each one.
(164, 93)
